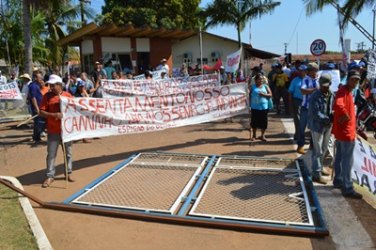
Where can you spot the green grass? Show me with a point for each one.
(15, 232)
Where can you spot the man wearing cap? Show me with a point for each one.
(24, 84)
(320, 113)
(296, 97)
(344, 127)
(164, 66)
(50, 108)
(96, 77)
(309, 85)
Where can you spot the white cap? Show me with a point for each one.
(54, 79)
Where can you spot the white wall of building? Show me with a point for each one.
(210, 44)
(116, 44)
(87, 47)
(142, 44)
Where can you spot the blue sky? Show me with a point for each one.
(289, 24)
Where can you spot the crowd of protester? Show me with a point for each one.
(305, 97)
(310, 101)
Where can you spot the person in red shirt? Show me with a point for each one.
(50, 108)
(344, 127)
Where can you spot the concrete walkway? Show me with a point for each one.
(344, 226)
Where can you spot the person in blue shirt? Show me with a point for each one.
(320, 113)
(296, 97)
(35, 98)
(309, 85)
(259, 95)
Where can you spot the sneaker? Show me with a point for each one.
(320, 179)
(325, 172)
(47, 182)
(300, 150)
(353, 195)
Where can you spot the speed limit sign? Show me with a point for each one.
(318, 47)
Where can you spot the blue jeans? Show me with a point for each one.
(320, 147)
(302, 126)
(36, 127)
(296, 107)
(53, 142)
(343, 163)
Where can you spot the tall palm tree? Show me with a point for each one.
(237, 12)
(351, 8)
(354, 7)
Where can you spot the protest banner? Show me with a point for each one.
(10, 91)
(156, 75)
(336, 78)
(233, 60)
(120, 88)
(364, 168)
(99, 117)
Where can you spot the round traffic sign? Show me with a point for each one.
(318, 47)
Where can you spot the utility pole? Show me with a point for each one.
(360, 46)
(285, 47)
(373, 28)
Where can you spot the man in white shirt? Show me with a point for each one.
(164, 66)
(3, 79)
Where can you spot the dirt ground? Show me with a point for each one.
(21, 159)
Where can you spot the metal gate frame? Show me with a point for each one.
(182, 215)
(89, 188)
(293, 173)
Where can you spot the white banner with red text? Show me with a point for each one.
(364, 168)
(99, 117)
(121, 88)
(155, 75)
(10, 91)
(233, 60)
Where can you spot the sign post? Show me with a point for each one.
(318, 47)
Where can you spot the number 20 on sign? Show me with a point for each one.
(318, 47)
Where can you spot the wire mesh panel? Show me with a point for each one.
(261, 163)
(169, 159)
(148, 183)
(254, 195)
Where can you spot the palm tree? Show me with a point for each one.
(237, 12)
(56, 16)
(351, 8)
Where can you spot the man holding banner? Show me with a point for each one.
(344, 127)
(50, 108)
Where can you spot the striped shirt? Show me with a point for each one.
(308, 83)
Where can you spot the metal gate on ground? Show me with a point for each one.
(272, 195)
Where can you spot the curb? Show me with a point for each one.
(39, 234)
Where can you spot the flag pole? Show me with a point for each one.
(202, 69)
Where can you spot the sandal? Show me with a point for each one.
(262, 138)
(47, 182)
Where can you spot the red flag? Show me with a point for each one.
(216, 66)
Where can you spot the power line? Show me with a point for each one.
(296, 25)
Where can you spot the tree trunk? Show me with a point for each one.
(27, 37)
(239, 38)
